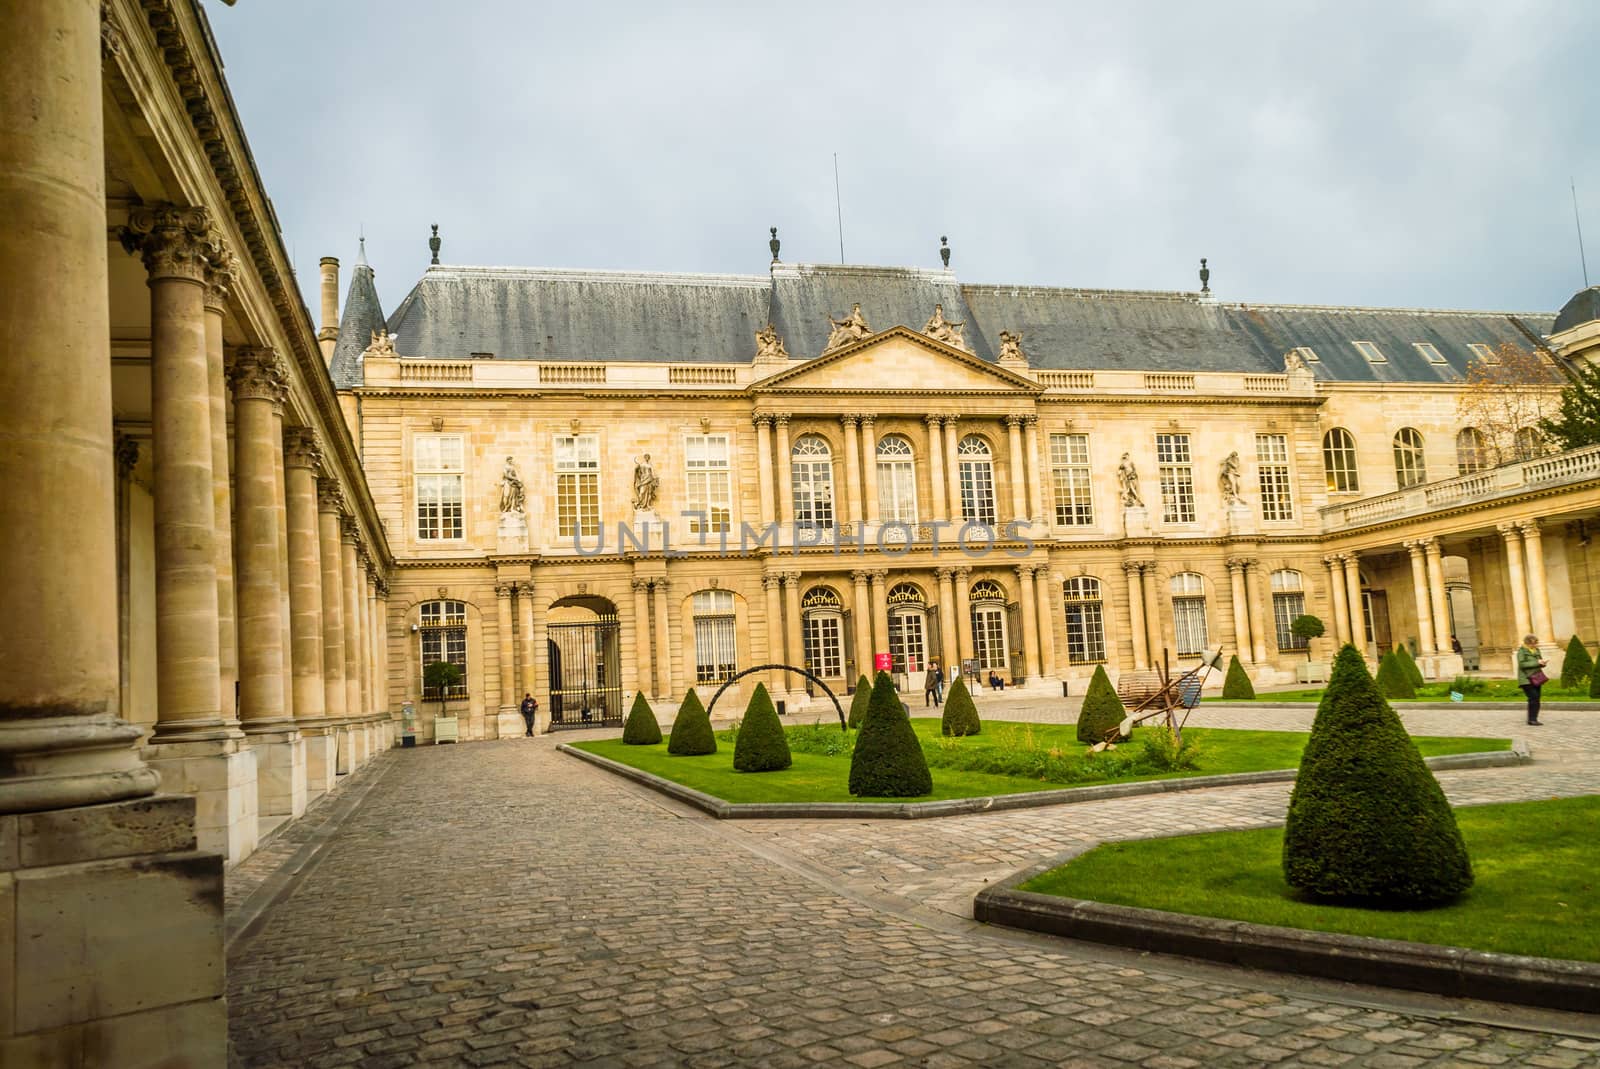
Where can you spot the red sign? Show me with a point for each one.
(882, 663)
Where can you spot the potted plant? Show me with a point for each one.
(440, 676)
(1309, 627)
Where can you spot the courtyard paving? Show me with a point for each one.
(500, 904)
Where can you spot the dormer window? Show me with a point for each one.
(1483, 352)
(1373, 354)
(1308, 354)
(1429, 352)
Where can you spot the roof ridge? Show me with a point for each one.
(1264, 306)
(445, 271)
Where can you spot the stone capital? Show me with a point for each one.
(661, 583)
(1508, 531)
(503, 590)
(1530, 528)
(849, 420)
(781, 418)
(945, 574)
(791, 578)
(1134, 567)
(1237, 564)
(950, 422)
(961, 573)
(1333, 560)
(860, 576)
(1015, 419)
(1352, 557)
(933, 421)
(301, 449)
(258, 374)
(127, 452)
(173, 241)
(372, 575)
(1025, 571)
(877, 575)
(1030, 419)
(330, 496)
(761, 419)
(221, 273)
(867, 418)
(350, 531)
(769, 582)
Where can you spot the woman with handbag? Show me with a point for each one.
(1530, 675)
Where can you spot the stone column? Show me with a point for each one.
(785, 473)
(1352, 586)
(386, 706)
(863, 617)
(1341, 601)
(763, 422)
(1258, 617)
(1019, 473)
(791, 610)
(950, 655)
(1433, 552)
(644, 659)
(936, 479)
(303, 458)
(527, 681)
(776, 680)
(375, 701)
(348, 535)
(1136, 625)
(963, 620)
(1516, 577)
(952, 471)
(508, 656)
(1047, 622)
(1241, 610)
(1419, 591)
(1152, 612)
(880, 616)
(852, 473)
(1538, 586)
(869, 461)
(221, 269)
(1032, 470)
(330, 509)
(279, 501)
(666, 656)
(362, 643)
(540, 643)
(1030, 620)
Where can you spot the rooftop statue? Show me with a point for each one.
(1293, 361)
(512, 493)
(769, 345)
(941, 329)
(1128, 480)
(1011, 346)
(1229, 480)
(852, 327)
(382, 343)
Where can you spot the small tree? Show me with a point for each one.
(440, 676)
(1393, 682)
(858, 702)
(1238, 686)
(1577, 667)
(1307, 627)
(1367, 822)
(1577, 421)
(761, 745)
(641, 728)
(888, 761)
(1402, 653)
(1594, 679)
(691, 729)
(1507, 400)
(960, 715)
(1102, 710)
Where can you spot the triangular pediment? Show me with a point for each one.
(897, 360)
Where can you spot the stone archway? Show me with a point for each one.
(583, 641)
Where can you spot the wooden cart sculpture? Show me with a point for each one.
(1166, 699)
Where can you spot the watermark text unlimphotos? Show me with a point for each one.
(893, 539)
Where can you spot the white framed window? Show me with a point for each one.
(897, 480)
(1409, 467)
(442, 636)
(1177, 478)
(1272, 464)
(577, 485)
(907, 629)
(1308, 354)
(1373, 354)
(1069, 474)
(1288, 603)
(716, 643)
(976, 463)
(1528, 443)
(811, 475)
(709, 488)
(1339, 461)
(1189, 612)
(438, 462)
(1472, 451)
(822, 632)
(988, 616)
(1429, 351)
(1487, 353)
(1086, 629)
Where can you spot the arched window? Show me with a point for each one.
(1288, 602)
(1409, 468)
(1528, 442)
(813, 483)
(1086, 631)
(822, 631)
(442, 636)
(716, 646)
(977, 480)
(908, 636)
(1339, 461)
(988, 610)
(897, 480)
(1189, 612)
(1472, 451)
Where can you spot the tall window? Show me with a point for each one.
(708, 497)
(897, 480)
(1472, 451)
(977, 480)
(1272, 461)
(812, 477)
(1177, 478)
(1189, 612)
(1069, 472)
(577, 485)
(442, 634)
(1339, 461)
(988, 602)
(907, 633)
(822, 631)
(1409, 469)
(1528, 442)
(1288, 602)
(1086, 631)
(437, 462)
(716, 648)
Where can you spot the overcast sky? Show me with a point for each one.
(1399, 154)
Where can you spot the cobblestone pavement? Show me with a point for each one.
(502, 904)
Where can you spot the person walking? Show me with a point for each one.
(1530, 675)
(530, 709)
(932, 684)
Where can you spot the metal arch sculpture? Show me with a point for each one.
(843, 723)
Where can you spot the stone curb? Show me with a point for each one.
(1551, 983)
(723, 810)
(1401, 706)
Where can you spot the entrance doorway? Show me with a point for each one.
(584, 645)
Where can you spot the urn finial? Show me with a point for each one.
(434, 243)
(944, 250)
(773, 244)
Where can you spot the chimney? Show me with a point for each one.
(329, 334)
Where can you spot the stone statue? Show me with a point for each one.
(1011, 346)
(769, 346)
(645, 484)
(1230, 479)
(941, 329)
(1293, 361)
(512, 496)
(382, 343)
(852, 327)
(1128, 480)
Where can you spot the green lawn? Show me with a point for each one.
(1537, 889)
(821, 777)
(1492, 690)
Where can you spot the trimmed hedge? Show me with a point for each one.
(1102, 710)
(858, 702)
(1594, 681)
(761, 746)
(641, 728)
(1578, 665)
(1238, 685)
(1393, 682)
(888, 761)
(691, 731)
(960, 715)
(1368, 824)
(1409, 663)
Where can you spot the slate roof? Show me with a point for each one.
(363, 314)
(456, 313)
(1583, 307)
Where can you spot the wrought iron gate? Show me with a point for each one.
(585, 674)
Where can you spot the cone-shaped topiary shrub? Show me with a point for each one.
(641, 728)
(691, 731)
(1409, 663)
(1368, 823)
(1578, 666)
(859, 701)
(1238, 685)
(1102, 709)
(960, 715)
(1594, 680)
(1392, 679)
(888, 761)
(761, 746)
